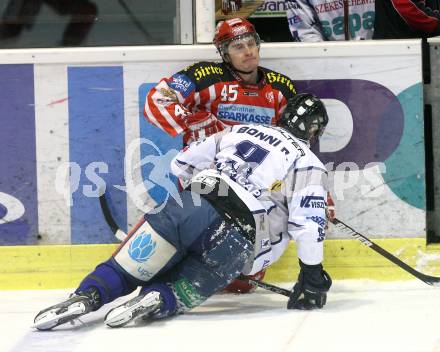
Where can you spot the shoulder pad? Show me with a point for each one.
(205, 73)
(281, 82)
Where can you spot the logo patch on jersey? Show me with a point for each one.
(321, 234)
(169, 96)
(312, 202)
(250, 94)
(319, 220)
(142, 248)
(265, 243)
(274, 77)
(246, 113)
(266, 263)
(203, 71)
(182, 84)
(276, 186)
(269, 96)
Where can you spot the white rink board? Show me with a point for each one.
(368, 201)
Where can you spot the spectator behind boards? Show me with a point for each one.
(19, 16)
(321, 20)
(400, 19)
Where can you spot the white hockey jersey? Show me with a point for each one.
(283, 176)
(319, 20)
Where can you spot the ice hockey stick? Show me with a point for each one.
(430, 280)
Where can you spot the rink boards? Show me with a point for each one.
(64, 266)
(72, 124)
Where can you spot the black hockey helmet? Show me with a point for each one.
(305, 117)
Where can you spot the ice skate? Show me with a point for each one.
(66, 311)
(137, 307)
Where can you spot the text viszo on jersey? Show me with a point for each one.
(210, 87)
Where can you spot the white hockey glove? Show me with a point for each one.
(311, 289)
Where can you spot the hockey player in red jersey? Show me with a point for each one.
(204, 97)
(207, 96)
(250, 190)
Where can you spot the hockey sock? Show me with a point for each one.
(110, 283)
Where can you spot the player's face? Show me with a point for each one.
(244, 53)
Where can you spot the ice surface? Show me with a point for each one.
(359, 316)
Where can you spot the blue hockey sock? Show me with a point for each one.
(109, 282)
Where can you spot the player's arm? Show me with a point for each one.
(284, 96)
(417, 15)
(169, 106)
(304, 23)
(196, 157)
(307, 220)
(283, 89)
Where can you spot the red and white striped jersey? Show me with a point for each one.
(206, 88)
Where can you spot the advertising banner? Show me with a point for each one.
(226, 9)
(18, 176)
(76, 128)
(271, 9)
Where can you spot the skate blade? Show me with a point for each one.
(122, 315)
(49, 319)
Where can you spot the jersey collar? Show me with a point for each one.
(261, 78)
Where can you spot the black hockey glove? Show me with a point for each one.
(311, 289)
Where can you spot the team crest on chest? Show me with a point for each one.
(269, 96)
(250, 94)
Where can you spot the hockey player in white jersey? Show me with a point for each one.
(249, 190)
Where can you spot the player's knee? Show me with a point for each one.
(228, 253)
(145, 253)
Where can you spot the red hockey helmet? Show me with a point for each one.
(230, 30)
